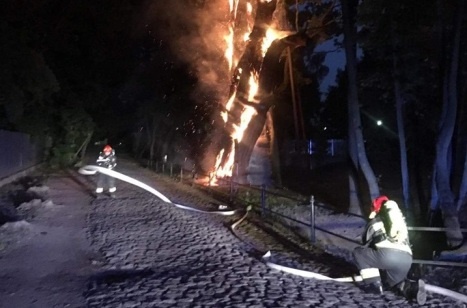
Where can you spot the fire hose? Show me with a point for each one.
(307, 274)
(91, 170)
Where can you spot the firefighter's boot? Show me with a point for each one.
(112, 191)
(372, 288)
(412, 290)
(371, 281)
(420, 291)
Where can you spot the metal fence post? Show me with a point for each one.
(232, 180)
(231, 188)
(181, 174)
(263, 200)
(312, 218)
(171, 169)
(163, 168)
(193, 175)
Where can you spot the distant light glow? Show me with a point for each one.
(379, 122)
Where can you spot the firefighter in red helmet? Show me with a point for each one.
(387, 248)
(106, 159)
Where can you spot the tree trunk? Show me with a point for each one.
(275, 156)
(85, 146)
(249, 63)
(443, 162)
(401, 127)
(462, 150)
(152, 138)
(462, 200)
(268, 87)
(402, 145)
(354, 200)
(269, 68)
(398, 95)
(357, 150)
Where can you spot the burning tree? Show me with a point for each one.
(255, 88)
(244, 98)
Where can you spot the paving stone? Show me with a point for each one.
(197, 262)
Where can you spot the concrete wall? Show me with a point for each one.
(18, 154)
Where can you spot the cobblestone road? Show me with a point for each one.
(156, 255)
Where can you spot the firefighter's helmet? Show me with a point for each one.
(378, 203)
(107, 150)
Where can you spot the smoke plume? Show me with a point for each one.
(195, 30)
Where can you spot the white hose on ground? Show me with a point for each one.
(290, 270)
(91, 169)
(446, 292)
(307, 274)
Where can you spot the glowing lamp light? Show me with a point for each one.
(379, 122)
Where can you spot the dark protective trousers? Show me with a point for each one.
(105, 181)
(396, 263)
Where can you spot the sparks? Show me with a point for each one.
(224, 164)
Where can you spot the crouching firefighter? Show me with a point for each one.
(387, 248)
(106, 159)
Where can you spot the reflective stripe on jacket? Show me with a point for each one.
(107, 161)
(375, 236)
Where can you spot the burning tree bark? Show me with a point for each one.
(248, 68)
(255, 88)
(250, 97)
(269, 90)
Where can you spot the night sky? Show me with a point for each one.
(118, 60)
(112, 55)
(131, 68)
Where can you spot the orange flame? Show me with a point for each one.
(229, 50)
(271, 36)
(224, 166)
(249, 8)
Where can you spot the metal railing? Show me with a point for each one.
(260, 204)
